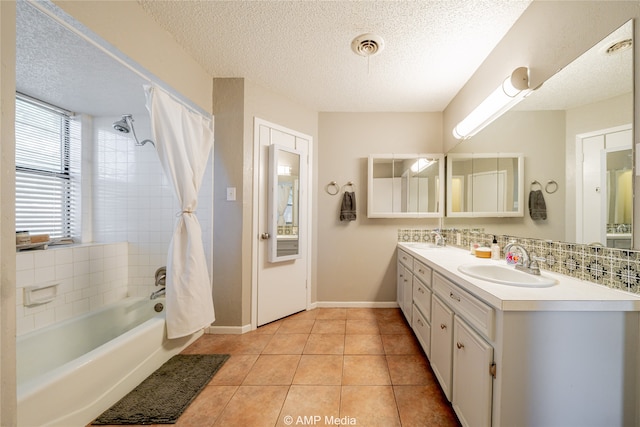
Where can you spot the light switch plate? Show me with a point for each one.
(231, 194)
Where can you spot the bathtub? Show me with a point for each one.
(70, 372)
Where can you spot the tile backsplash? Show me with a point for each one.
(88, 277)
(615, 268)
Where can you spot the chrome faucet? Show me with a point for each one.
(526, 263)
(161, 278)
(437, 238)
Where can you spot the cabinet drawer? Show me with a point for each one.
(406, 259)
(422, 329)
(422, 271)
(475, 312)
(422, 298)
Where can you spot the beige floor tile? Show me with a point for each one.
(296, 325)
(371, 406)
(272, 369)
(363, 344)
(313, 402)
(387, 314)
(206, 407)
(424, 406)
(324, 344)
(411, 369)
(307, 315)
(365, 370)
(362, 326)
(234, 370)
(253, 406)
(332, 313)
(319, 369)
(269, 328)
(361, 313)
(248, 344)
(399, 326)
(286, 344)
(401, 344)
(329, 326)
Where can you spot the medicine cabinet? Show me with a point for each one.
(485, 185)
(405, 186)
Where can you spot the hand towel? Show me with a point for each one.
(348, 206)
(537, 205)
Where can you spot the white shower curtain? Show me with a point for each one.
(183, 140)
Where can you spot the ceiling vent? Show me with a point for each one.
(367, 45)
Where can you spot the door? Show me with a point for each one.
(280, 287)
(441, 342)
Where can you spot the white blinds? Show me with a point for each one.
(47, 170)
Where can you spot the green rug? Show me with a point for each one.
(165, 394)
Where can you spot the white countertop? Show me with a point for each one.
(568, 295)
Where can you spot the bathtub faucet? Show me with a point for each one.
(157, 294)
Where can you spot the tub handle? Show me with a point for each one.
(38, 295)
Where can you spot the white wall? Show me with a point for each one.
(356, 260)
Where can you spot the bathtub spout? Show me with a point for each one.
(157, 294)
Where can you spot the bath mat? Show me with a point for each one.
(165, 394)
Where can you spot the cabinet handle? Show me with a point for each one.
(420, 322)
(421, 291)
(420, 271)
(455, 297)
(460, 345)
(443, 326)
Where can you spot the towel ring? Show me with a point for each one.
(534, 183)
(553, 185)
(350, 184)
(331, 186)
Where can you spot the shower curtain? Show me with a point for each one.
(183, 140)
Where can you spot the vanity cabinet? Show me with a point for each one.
(460, 357)
(405, 283)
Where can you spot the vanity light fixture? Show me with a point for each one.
(421, 164)
(509, 93)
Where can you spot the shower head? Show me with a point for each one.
(122, 125)
(125, 125)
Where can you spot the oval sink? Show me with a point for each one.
(423, 245)
(506, 275)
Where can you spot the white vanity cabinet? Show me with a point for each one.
(405, 283)
(461, 358)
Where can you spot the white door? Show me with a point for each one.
(280, 287)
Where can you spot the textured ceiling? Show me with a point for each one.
(302, 49)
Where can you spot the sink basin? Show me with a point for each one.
(506, 275)
(423, 245)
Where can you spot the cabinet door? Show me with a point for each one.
(407, 295)
(441, 343)
(472, 381)
(400, 285)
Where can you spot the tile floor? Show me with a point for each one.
(361, 366)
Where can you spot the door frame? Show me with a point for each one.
(255, 232)
(579, 157)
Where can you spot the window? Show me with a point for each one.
(47, 178)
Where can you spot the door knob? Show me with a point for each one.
(265, 236)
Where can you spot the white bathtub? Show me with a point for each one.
(70, 372)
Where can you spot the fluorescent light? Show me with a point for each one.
(509, 93)
(421, 164)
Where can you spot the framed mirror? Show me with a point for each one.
(285, 175)
(485, 185)
(405, 186)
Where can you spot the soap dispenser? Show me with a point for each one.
(495, 249)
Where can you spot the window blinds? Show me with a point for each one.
(47, 170)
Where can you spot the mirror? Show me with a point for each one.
(484, 185)
(593, 94)
(284, 203)
(405, 186)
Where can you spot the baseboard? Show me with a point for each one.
(229, 330)
(356, 304)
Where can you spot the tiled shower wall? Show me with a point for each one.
(134, 202)
(88, 277)
(615, 268)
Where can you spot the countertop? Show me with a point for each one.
(569, 294)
